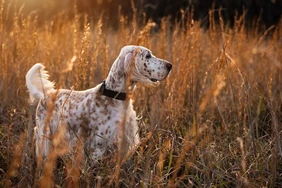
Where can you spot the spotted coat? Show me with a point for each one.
(89, 114)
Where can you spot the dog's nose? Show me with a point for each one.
(169, 66)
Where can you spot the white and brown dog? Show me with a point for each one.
(99, 112)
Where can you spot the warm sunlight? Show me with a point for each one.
(199, 106)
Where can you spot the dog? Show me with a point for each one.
(100, 113)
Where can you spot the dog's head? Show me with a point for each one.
(142, 66)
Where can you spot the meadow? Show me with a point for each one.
(214, 122)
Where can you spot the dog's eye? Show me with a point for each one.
(148, 56)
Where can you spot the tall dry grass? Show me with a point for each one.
(214, 122)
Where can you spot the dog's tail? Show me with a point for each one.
(37, 82)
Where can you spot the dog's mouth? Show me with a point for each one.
(153, 80)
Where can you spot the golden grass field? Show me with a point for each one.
(214, 122)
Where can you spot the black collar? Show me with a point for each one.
(112, 94)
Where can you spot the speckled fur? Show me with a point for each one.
(89, 114)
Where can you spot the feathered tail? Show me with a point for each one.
(37, 82)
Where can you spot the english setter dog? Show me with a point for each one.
(97, 113)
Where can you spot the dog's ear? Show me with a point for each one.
(128, 62)
(125, 59)
(124, 62)
(120, 65)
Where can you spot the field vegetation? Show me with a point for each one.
(214, 122)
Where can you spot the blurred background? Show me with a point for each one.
(226, 80)
(268, 12)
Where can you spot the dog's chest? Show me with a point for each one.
(100, 118)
